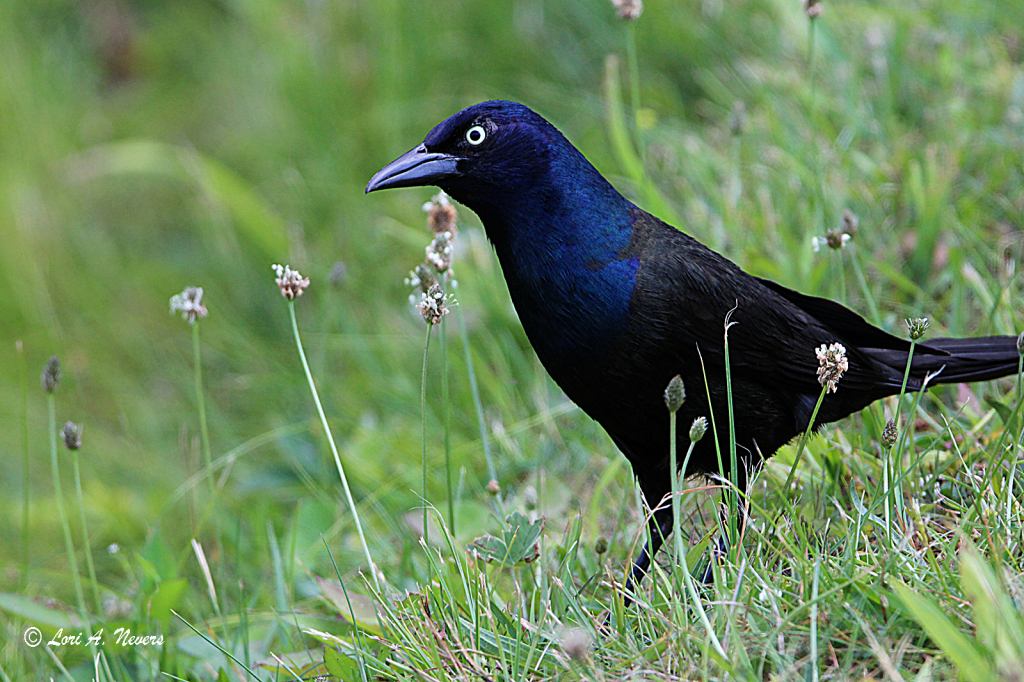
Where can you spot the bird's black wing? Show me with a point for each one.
(687, 289)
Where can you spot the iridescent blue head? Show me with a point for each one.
(495, 156)
(560, 229)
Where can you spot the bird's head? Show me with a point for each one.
(479, 155)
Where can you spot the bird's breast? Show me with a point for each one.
(572, 306)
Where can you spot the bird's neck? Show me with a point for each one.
(563, 244)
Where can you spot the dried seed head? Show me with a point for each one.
(289, 281)
(423, 277)
(698, 428)
(190, 304)
(492, 487)
(628, 10)
(813, 9)
(832, 364)
(576, 644)
(435, 304)
(1020, 343)
(675, 394)
(917, 327)
(72, 435)
(441, 214)
(833, 239)
(601, 545)
(850, 222)
(51, 374)
(738, 117)
(889, 434)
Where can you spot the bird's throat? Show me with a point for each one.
(569, 272)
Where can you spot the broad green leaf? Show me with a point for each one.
(340, 665)
(517, 545)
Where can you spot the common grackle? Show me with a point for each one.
(616, 302)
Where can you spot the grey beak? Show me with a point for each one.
(415, 168)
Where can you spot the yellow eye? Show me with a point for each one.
(476, 135)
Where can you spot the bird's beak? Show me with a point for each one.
(415, 168)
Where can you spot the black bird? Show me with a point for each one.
(616, 302)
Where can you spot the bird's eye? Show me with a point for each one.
(476, 135)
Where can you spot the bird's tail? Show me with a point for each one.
(950, 361)
(963, 360)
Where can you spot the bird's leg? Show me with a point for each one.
(660, 527)
(721, 548)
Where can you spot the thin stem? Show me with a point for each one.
(818, 170)
(733, 527)
(677, 503)
(677, 540)
(634, 81)
(25, 471)
(214, 644)
(803, 439)
(842, 275)
(85, 533)
(892, 493)
(69, 545)
(1020, 377)
(1013, 463)
(906, 376)
(886, 484)
(334, 448)
(1013, 470)
(423, 430)
(352, 614)
(691, 588)
(492, 472)
(447, 424)
(201, 402)
(876, 317)
(813, 663)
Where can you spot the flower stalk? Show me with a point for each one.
(675, 395)
(72, 434)
(292, 285)
(832, 364)
(893, 485)
(50, 380)
(25, 464)
(432, 277)
(447, 416)
(190, 304)
(204, 433)
(423, 434)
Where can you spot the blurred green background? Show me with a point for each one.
(147, 146)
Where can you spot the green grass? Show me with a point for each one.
(145, 147)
